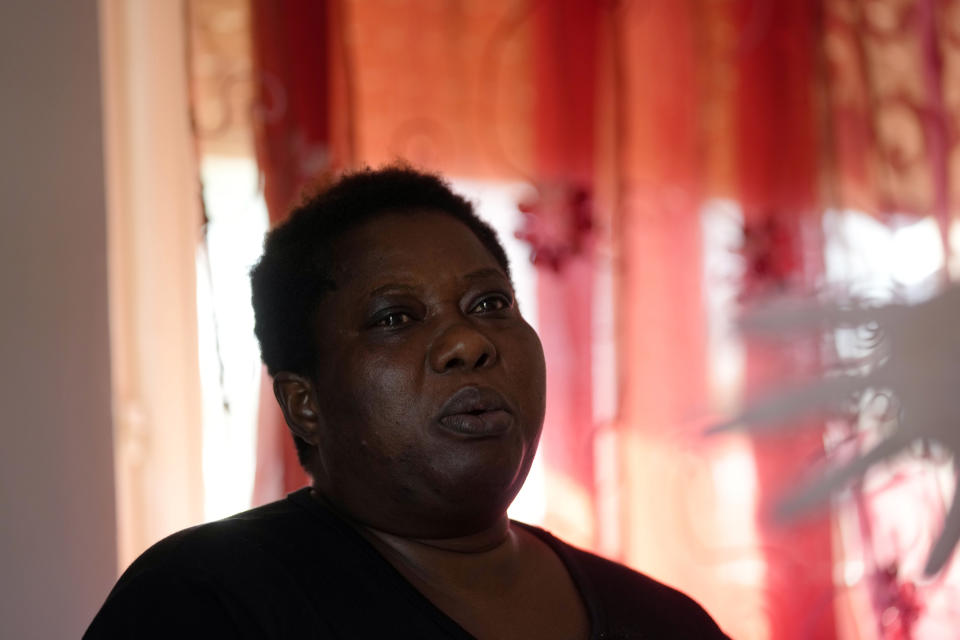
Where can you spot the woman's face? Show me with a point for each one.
(430, 384)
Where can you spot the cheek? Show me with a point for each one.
(386, 381)
(535, 360)
(530, 377)
(385, 403)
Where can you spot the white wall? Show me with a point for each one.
(57, 523)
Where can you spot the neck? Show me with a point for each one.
(487, 556)
(481, 561)
(485, 541)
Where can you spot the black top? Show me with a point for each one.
(293, 569)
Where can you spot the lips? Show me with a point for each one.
(476, 413)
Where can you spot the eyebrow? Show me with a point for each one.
(487, 272)
(479, 274)
(390, 286)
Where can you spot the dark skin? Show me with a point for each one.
(425, 413)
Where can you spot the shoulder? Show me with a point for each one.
(221, 548)
(631, 604)
(221, 577)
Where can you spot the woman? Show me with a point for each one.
(414, 390)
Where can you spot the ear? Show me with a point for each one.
(297, 400)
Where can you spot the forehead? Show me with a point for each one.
(404, 245)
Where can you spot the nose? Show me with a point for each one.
(461, 346)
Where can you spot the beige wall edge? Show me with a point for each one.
(153, 229)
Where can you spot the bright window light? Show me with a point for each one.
(229, 354)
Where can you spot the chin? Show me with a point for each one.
(474, 505)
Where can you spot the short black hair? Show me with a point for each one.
(295, 271)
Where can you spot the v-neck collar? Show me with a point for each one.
(420, 602)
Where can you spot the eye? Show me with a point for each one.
(492, 303)
(393, 319)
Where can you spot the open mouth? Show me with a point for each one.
(478, 423)
(476, 412)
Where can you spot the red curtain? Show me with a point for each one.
(778, 149)
(292, 61)
(564, 61)
(629, 118)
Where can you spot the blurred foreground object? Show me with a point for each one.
(915, 358)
